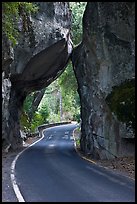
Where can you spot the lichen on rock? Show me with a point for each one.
(122, 102)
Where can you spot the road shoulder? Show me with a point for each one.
(8, 194)
(123, 165)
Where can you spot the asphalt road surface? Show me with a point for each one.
(52, 171)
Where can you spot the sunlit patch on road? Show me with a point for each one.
(66, 137)
(51, 145)
(67, 132)
(50, 137)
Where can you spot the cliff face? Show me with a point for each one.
(41, 55)
(103, 62)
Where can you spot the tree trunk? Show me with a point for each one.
(36, 101)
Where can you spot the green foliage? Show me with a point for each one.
(78, 9)
(67, 80)
(54, 118)
(122, 102)
(70, 97)
(39, 117)
(44, 112)
(71, 104)
(61, 102)
(24, 122)
(11, 14)
(28, 103)
(36, 121)
(51, 99)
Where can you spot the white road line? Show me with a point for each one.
(12, 175)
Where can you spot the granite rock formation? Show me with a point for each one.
(40, 56)
(103, 60)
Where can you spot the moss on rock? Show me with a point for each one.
(122, 102)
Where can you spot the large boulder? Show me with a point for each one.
(104, 61)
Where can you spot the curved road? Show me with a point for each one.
(52, 171)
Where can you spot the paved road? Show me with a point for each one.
(52, 171)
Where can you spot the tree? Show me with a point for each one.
(77, 15)
(37, 97)
(44, 112)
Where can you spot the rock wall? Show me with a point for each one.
(7, 59)
(103, 60)
(40, 56)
